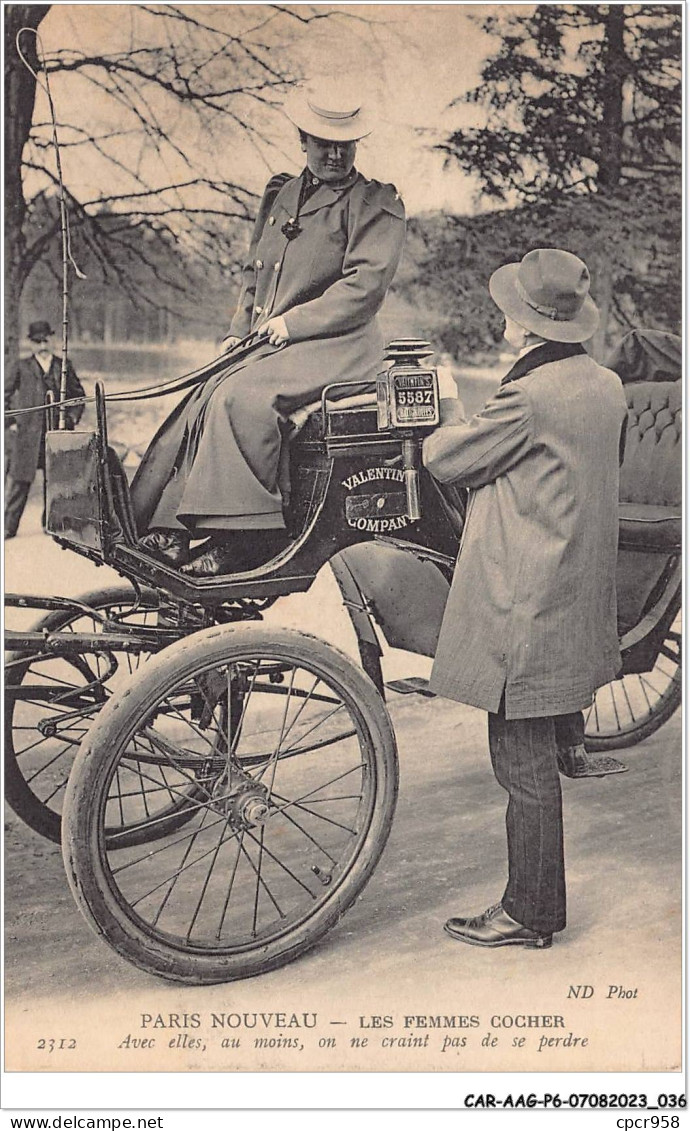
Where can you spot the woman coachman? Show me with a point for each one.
(325, 248)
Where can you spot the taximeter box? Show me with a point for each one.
(407, 397)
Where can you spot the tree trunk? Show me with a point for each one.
(615, 67)
(20, 91)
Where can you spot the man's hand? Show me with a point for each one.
(276, 331)
(228, 342)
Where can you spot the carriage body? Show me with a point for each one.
(348, 485)
(349, 505)
(173, 750)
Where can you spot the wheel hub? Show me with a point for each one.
(242, 800)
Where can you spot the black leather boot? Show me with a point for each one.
(170, 546)
(236, 551)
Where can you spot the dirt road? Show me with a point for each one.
(389, 989)
(388, 958)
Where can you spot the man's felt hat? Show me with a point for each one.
(328, 110)
(547, 293)
(39, 331)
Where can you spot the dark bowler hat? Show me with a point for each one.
(39, 331)
(547, 293)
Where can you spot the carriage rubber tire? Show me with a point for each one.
(667, 705)
(81, 840)
(18, 794)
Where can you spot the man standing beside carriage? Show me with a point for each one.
(530, 629)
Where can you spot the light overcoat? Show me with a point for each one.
(27, 388)
(223, 441)
(532, 607)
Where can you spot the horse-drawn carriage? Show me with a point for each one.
(225, 801)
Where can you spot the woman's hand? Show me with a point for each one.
(276, 331)
(229, 342)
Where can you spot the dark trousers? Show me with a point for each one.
(523, 755)
(16, 494)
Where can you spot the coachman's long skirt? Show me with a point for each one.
(214, 463)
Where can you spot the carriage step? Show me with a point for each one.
(413, 685)
(587, 766)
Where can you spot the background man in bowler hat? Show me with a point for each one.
(33, 379)
(529, 631)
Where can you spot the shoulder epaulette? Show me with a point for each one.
(385, 196)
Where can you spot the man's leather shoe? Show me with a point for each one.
(171, 546)
(495, 928)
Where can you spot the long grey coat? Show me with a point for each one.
(532, 607)
(224, 440)
(26, 388)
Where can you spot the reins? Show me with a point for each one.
(162, 388)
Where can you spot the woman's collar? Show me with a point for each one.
(351, 177)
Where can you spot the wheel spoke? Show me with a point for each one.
(635, 705)
(305, 809)
(317, 724)
(170, 752)
(246, 854)
(627, 700)
(308, 835)
(65, 689)
(274, 757)
(190, 806)
(613, 702)
(176, 713)
(46, 765)
(245, 704)
(184, 868)
(280, 863)
(274, 769)
(233, 873)
(205, 884)
(54, 792)
(644, 685)
(305, 703)
(258, 880)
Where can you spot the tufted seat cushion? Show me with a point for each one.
(651, 473)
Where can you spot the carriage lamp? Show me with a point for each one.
(408, 402)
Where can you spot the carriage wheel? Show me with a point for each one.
(629, 709)
(51, 702)
(295, 753)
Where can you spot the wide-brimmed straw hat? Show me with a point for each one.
(547, 293)
(329, 110)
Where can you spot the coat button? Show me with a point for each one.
(271, 220)
(276, 266)
(259, 264)
(259, 309)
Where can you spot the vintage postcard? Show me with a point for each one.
(259, 261)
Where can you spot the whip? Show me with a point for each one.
(64, 219)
